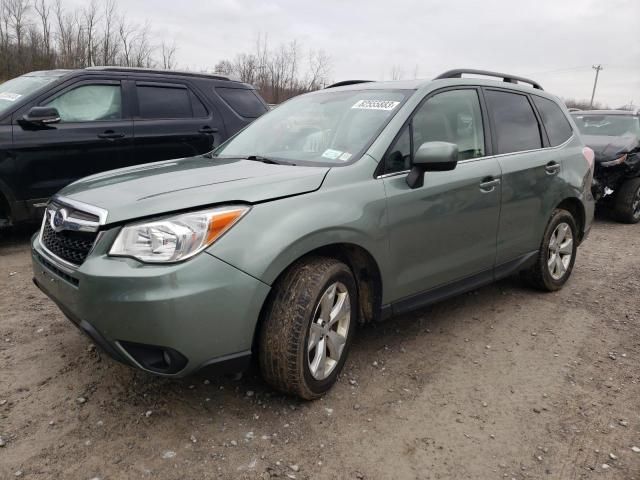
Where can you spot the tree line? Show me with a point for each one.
(45, 34)
(279, 72)
(42, 34)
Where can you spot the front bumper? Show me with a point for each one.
(203, 310)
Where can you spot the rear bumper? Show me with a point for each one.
(202, 312)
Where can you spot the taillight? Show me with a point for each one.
(589, 156)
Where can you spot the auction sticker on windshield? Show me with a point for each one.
(331, 154)
(11, 97)
(376, 105)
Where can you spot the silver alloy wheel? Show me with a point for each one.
(328, 331)
(560, 251)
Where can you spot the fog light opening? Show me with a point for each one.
(155, 358)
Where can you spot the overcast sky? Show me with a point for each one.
(552, 41)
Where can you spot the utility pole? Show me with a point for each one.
(597, 68)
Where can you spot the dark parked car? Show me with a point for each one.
(614, 136)
(60, 125)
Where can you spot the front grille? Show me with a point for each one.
(67, 245)
(72, 280)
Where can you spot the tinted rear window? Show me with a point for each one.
(516, 125)
(163, 102)
(243, 101)
(555, 123)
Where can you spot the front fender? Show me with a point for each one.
(275, 234)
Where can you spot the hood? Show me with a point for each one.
(609, 148)
(162, 187)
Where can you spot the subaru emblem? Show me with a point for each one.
(58, 219)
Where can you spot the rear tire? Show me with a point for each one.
(308, 327)
(626, 208)
(557, 253)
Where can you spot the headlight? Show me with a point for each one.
(176, 238)
(617, 161)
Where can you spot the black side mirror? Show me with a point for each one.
(432, 157)
(42, 116)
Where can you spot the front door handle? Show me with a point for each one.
(110, 135)
(488, 185)
(208, 129)
(552, 168)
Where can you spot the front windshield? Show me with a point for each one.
(13, 90)
(328, 128)
(608, 125)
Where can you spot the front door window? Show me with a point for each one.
(89, 103)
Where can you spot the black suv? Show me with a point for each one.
(60, 125)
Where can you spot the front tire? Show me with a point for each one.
(557, 253)
(308, 327)
(626, 208)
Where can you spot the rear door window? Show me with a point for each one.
(515, 123)
(163, 102)
(243, 101)
(555, 122)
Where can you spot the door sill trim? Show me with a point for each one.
(457, 287)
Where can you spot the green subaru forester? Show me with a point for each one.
(342, 206)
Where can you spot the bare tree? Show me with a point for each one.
(136, 49)
(245, 66)
(126, 33)
(168, 55)
(109, 48)
(43, 10)
(319, 69)
(225, 67)
(276, 73)
(17, 11)
(4, 39)
(44, 34)
(90, 14)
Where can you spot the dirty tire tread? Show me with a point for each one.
(536, 274)
(285, 323)
(622, 211)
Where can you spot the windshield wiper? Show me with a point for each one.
(260, 158)
(255, 158)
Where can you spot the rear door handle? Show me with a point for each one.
(110, 135)
(552, 168)
(489, 185)
(208, 129)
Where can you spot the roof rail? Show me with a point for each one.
(457, 73)
(348, 82)
(160, 71)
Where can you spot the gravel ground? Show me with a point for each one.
(503, 382)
